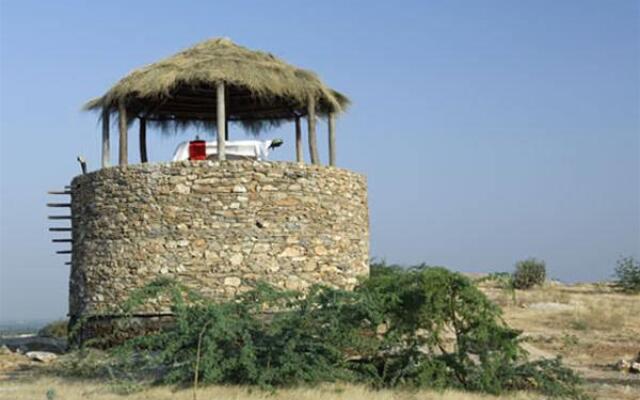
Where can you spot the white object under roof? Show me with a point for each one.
(234, 149)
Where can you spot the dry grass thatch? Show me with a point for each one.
(262, 90)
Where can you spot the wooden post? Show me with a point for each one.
(220, 114)
(122, 122)
(106, 151)
(332, 139)
(311, 124)
(226, 110)
(299, 152)
(143, 140)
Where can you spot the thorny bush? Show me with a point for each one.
(419, 327)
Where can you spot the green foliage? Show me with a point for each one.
(84, 363)
(51, 394)
(56, 329)
(529, 273)
(547, 376)
(417, 327)
(628, 274)
(300, 339)
(453, 336)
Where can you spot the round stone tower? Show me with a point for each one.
(216, 227)
(219, 218)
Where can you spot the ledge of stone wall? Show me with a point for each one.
(215, 227)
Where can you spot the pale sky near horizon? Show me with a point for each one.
(514, 126)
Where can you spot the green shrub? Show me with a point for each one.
(529, 273)
(51, 394)
(56, 329)
(417, 327)
(628, 274)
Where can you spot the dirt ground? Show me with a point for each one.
(590, 325)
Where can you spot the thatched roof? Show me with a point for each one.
(262, 90)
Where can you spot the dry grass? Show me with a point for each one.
(590, 325)
(566, 308)
(65, 390)
(586, 307)
(597, 315)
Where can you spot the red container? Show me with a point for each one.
(197, 150)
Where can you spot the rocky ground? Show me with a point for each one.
(594, 328)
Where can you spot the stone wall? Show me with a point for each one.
(215, 227)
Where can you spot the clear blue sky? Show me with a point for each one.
(514, 126)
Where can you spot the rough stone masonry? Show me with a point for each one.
(215, 227)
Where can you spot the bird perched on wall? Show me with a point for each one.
(275, 143)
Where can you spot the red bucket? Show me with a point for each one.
(197, 150)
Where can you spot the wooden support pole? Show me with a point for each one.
(221, 116)
(143, 140)
(311, 124)
(106, 150)
(122, 124)
(299, 152)
(332, 139)
(226, 110)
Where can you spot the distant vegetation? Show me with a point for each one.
(529, 273)
(627, 273)
(421, 327)
(526, 275)
(56, 329)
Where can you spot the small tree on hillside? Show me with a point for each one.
(628, 274)
(529, 273)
